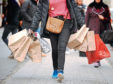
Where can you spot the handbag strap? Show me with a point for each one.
(66, 17)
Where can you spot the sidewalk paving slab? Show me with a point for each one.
(7, 66)
(77, 71)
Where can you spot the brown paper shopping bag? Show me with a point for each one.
(16, 39)
(21, 52)
(88, 43)
(77, 38)
(35, 51)
(82, 47)
(91, 41)
(0, 20)
(13, 47)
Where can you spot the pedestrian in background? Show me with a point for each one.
(60, 9)
(81, 7)
(97, 17)
(28, 10)
(12, 20)
(5, 3)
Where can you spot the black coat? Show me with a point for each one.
(42, 15)
(13, 11)
(28, 10)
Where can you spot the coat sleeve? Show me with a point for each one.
(80, 19)
(24, 9)
(37, 17)
(107, 15)
(87, 17)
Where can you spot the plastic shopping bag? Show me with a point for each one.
(100, 53)
(44, 44)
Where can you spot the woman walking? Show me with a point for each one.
(67, 11)
(98, 19)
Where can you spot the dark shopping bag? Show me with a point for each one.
(107, 36)
(100, 53)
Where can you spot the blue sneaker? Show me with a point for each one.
(55, 73)
(60, 76)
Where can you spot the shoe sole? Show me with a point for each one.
(54, 77)
(60, 77)
(96, 66)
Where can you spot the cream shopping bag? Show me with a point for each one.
(34, 51)
(82, 47)
(15, 40)
(91, 41)
(0, 21)
(21, 52)
(77, 38)
(88, 43)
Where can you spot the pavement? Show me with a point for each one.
(7, 66)
(77, 71)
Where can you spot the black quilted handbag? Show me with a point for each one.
(107, 36)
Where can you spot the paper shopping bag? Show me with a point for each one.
(35, 51)
(91, 41)
(77, 38)
(15, 37)
(13, 47)
(15, 40)
(21, 52)
(100, 53)
(82, 47)
(0, 21)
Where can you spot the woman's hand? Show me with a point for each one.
(31, 31)
(101, 17)
(21, 22)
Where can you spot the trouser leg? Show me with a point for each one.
(62, 43)
(5, 34)
(54, 45)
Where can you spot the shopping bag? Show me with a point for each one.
(82, 47)
(34, 51)
(100, 53)
(77, 38)
(21, 52)
(45, 46)
(14, 39)
(0, 21)
(13, 47)
(88, 43)
(107, 36)
(91, 41)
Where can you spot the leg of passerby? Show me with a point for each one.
(54, 43)
(7, 30)
(82, 54)
(14, 30)
(97, 64)
(62, 43)
(5, 34)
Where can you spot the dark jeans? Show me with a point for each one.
(59, 43)
(7, 29)
(82, 54)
